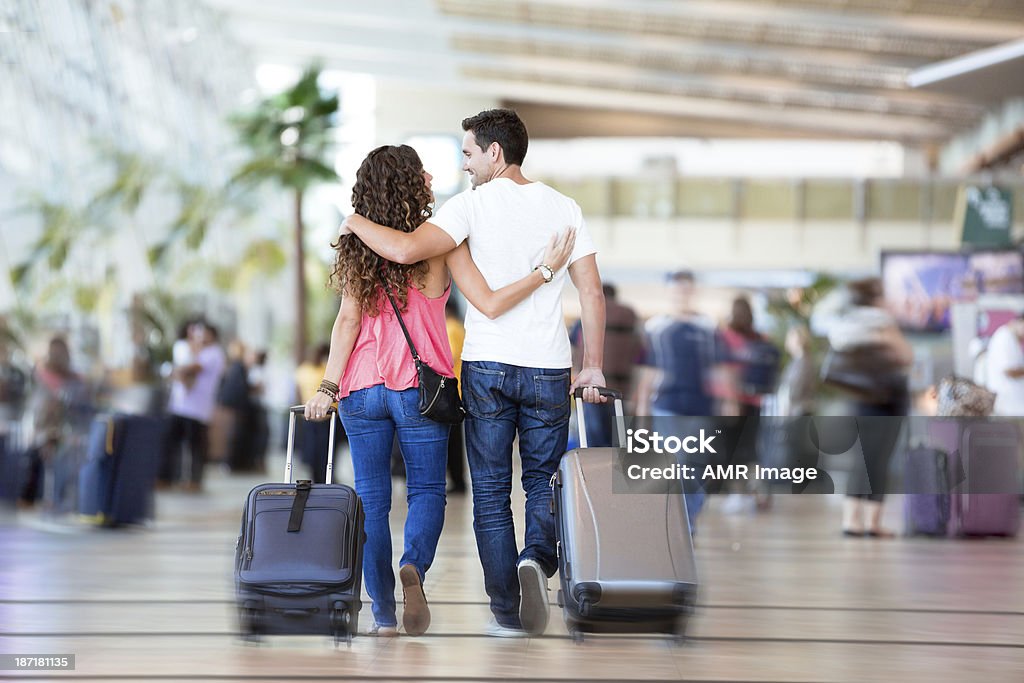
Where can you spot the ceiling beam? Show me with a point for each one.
(744, 23)
(810, 122)
(990, 11)
(562, 122)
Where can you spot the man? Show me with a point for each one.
(516, 368)
(1005, 368)
(680, 356)
(682, 353)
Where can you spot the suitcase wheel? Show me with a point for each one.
(577, 636)
(679, 633)
(250, 625)
(341, 626)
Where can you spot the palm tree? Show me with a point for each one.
(289, 136)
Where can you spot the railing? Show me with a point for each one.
(927, 202)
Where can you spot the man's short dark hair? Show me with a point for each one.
(502, 126)
(609, 291)
(681, 276)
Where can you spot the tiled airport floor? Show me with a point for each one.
(783, 598)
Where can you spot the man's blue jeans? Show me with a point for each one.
(501, 401)
(371, 417)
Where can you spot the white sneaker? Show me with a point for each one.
(383, 631)
(737, 504)
(498, 631)
(533, 587)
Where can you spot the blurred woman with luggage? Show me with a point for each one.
(371, 371)
(60, 409)
(870, 360)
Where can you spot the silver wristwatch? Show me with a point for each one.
(546, 271)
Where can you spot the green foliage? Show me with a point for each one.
(796, 307)
(264, 256)
(134, 175)
(324, 301)
(289, 139)
(289, 136)
(63, 225)
(154, 317)
(15, 327)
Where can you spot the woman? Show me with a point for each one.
(378, 394)
(869, 338)
(746, 350)
(60, 411)
(743, 346)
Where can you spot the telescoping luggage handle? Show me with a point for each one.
(620, 420)
(292, 412)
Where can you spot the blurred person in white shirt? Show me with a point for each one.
(1005, 368)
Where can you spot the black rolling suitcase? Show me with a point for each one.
(299, 556)
(625, 559)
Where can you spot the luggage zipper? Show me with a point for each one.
(247, 551)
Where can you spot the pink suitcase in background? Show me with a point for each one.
(984, 458)
(990, 457)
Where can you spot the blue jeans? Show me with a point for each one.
(693, 491)
(501, 401)
(371, 417)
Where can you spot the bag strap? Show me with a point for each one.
(405, 330)
(302, 489)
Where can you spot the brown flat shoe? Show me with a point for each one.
(416, 615)
(879, 533)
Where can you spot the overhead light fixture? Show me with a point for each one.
(974, 61)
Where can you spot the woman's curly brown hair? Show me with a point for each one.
(389, 190)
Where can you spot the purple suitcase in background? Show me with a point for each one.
(984, 457)
(927, 504)
(989, 456)
(299, 556)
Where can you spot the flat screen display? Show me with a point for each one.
(921, 286)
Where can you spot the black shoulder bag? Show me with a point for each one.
(439, 395)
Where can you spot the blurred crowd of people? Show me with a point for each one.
(683, 364)
(212, 399)
(687, 365)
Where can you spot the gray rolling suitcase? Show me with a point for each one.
(299, 556)
(626, 559)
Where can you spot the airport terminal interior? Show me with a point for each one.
(799, 240)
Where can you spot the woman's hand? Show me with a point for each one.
(317, 407)
(559, 249)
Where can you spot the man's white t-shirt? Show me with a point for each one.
(1005, 352)
(508, 226)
